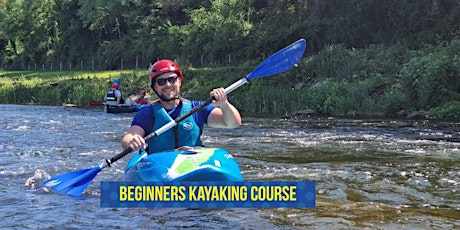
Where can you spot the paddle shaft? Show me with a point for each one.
(276, 63)
(174, 122)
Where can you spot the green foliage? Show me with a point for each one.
(220, 32)
(216, 31)
(199, 82)
(57, 88)
(373, 81)
(329, 98)
(80, 93)
(29, 19)
(21, 94)
(447, 111)
(432, 77)
(338, 81)
(396, 100)
(371, 57)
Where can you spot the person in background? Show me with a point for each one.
(141, 100)
(113, 96)
(166, 80)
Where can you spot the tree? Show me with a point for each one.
(216, 32)
(30, 29)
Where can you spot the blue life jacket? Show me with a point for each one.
(186, 133)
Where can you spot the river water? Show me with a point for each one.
(377, 174)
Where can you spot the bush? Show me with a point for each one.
(394, 101)
(432, 77)
(447, 111)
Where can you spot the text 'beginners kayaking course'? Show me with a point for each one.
(208, 194)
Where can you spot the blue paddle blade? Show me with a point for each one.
(280, 61)
(73, 183)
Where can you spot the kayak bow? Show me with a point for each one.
(191, 164)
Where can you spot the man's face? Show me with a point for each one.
(167, 86)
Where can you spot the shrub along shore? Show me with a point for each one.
(374, 82)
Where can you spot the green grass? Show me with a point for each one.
(31, 78)
(57, 87)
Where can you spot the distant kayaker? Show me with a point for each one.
(141, 100)
(113, 96)
(166, 80)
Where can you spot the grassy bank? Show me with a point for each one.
(55, 88)
(81, 87)
(378, 81)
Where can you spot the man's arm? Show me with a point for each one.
(225, 115)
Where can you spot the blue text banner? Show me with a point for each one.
(211, 194)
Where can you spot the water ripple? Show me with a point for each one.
(378, 174)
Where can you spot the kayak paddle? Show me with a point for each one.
(74, 183)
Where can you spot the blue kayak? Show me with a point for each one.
(191, 164)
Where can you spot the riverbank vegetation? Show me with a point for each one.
(363, 58)
(376, 81)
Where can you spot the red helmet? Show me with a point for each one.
(142, 92)
(115, 85)
(164, 66)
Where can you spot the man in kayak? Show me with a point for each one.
(141, 100)
(113, 95)
(166, 80)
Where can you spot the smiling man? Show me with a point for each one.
(166, 80)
